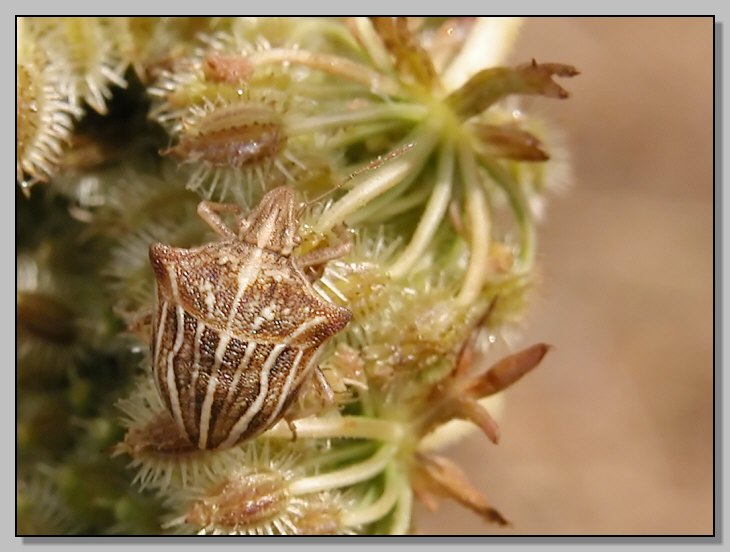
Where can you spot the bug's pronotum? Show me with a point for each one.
(238, 327)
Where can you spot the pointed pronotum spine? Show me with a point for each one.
(238, 327)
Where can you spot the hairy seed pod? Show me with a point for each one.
(246, 500)
(46, 107)
(235, 136)
(238, 326)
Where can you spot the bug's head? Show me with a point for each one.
(274, 223)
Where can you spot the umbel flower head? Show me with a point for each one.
(413, 182)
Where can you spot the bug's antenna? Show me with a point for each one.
(374, 164)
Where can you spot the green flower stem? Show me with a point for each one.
(347, 427)
(388, 112)
(479, 228)
(338, 455)
(432, 215)
(373, 45)
(486, 45)
(361, 133)
(369, 214)
(400, 205)
(370, 184)
(355, 473)
(380, 507)
(332, 95)
(330, 64)
(319, 27)
(520, 209)
(403, 512)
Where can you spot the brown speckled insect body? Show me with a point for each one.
(238, 326)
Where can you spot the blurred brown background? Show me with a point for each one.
(613, 433)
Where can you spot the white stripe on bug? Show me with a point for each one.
(248, 274)
(284, 391)
(267, 230)
(171, 383)
(242, 366)
(291, 377)
(205, 410)
(209, 296)
(199, 329)
(243, 422)
(269, 313)
(160, 333)
(303, 328)
(313, 361)
(173, 284)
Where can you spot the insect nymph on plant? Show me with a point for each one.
(238, 326)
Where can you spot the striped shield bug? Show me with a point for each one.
(238, 327)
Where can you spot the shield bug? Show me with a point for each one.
(238, 326)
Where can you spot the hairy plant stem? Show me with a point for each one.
(520, 210)
(479, 228)
(320, 27)
(350, 475)
(373, 45)
(401, 205)
(406, 112)
(403, 512)
(382, 505)
(349, 136)
(342, 453)
(432, 215)
(330, 64)
(370, 213)
(348, 427)
(371, 184)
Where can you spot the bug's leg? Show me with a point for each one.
(141, 325)
(324, 390)
(324, 255)
(292, 428)
(138, 323)
(314, 396)
(208, 211)
(313, 262)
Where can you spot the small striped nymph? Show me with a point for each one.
(238, 327)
